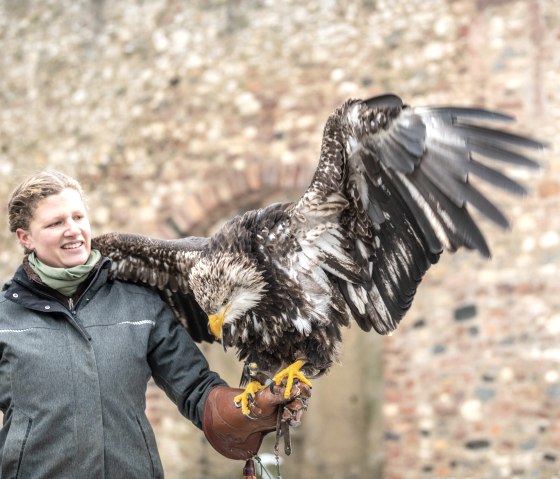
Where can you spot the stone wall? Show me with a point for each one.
(176, 115)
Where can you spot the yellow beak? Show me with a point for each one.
(217, 321)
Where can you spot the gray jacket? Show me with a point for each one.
(73, 381)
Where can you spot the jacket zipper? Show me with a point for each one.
(71, 306)
(74, 321)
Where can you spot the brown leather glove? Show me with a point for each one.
(237, 436)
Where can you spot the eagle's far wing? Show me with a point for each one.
(391, 192)
(163, 265)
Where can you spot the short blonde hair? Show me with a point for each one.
(25, 197)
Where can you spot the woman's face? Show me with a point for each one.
(59, 231)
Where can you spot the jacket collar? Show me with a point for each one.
(27, 289)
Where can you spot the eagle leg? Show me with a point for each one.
(246, 396)
(293, 371)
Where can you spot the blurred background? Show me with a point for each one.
(177, 115)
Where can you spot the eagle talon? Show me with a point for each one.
(246, 397)
(291, 373)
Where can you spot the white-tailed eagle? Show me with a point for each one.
(391, 191)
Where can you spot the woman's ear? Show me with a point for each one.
(25, 239)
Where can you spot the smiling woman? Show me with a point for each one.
(77, 349)
(59, 232)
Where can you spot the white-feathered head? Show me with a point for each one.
(226, 286)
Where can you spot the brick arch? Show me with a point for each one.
(233, 192)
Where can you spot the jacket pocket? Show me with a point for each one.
(151, 447)
(14, 449)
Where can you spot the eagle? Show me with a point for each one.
(391, 192)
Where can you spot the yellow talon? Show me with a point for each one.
(243, 398)
(291, 372)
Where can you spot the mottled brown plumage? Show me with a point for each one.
(390, 193)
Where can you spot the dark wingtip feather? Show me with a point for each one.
(459, 113)
(496, 178)
(482, 133)
(499, 152)
(485, 206)
(388, 100)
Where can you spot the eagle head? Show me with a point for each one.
(226, 285)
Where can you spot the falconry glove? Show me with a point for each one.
(239, 436)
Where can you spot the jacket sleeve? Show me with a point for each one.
(179, 367)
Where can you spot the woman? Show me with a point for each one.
(77, 350)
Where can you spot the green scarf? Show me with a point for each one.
(64, 280)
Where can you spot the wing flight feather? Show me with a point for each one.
(393, 190)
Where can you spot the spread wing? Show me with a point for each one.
(164, 265)
(392, 190)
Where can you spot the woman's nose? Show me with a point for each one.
(73, 228)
